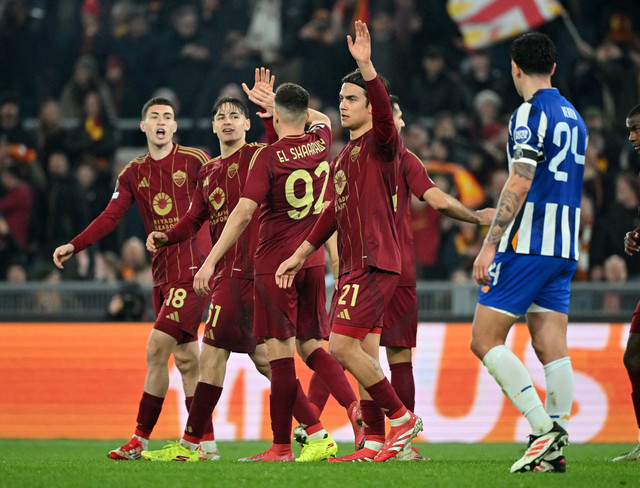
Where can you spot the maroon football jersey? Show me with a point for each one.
(162, 190)
(365, 176)
(413, 178)
(289, 180)
(220, 184)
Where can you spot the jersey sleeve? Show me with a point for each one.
(525, 140)
(324, 227)
(384, 129)
(258, 182)
(104, 223)
(416, 176)
(270, 130)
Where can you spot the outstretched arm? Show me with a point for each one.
(452, 207)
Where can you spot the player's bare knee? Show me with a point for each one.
(186, 363)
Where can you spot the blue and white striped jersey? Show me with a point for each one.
(547, 132)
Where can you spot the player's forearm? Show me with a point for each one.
(449, 206)
(513, 195)
(186, 227)
(324, 227)
(236, 224)
(96, 230)
(316, 117)
(384, 128)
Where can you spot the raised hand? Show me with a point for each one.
(262, 92)
(360, 48)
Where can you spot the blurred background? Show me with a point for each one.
(74, 75)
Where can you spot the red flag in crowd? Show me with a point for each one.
(484, 22)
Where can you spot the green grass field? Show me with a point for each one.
(69, 463)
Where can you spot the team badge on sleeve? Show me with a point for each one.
(522, 134)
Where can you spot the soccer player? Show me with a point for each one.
(530, 253)
(161, 183)
(400, 321)
(288, 180)
(364, 175)
(229, 321)
(632, 352)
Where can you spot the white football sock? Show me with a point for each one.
(143, 441)
(189, 445)
(515, 381)
(559, 376)
(317, 435)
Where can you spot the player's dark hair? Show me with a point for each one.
(355, 77)
(634, 111)
(236, 102)
(157, 101)
(534, 53)
(292, 99)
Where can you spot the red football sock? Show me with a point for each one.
(403, 382)
(634, 376)
(373, 420)
(318, 393)
(333, 376)
(385, 397)
(283, 396)
(148, 413)
(203, 403)
(281, 449)
(303, 411)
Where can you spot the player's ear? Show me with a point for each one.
(247, 124)
(142, 125)
(553, 70)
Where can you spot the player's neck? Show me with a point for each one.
(534, 83)
(285, 130)
(160, 152)
(227, 150)
(355, 133)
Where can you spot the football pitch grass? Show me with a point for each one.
(71, 463)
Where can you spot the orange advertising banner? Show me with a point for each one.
(84, 381)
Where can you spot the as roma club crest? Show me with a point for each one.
(179, 177)
(162, 204)
(232, 170)
(353, 155)
(217, 198)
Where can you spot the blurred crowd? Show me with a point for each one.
(74, 75)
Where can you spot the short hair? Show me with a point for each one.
(293, 100)
(634, 111)
(355, 77)
(157, 101)
(534, 53)
(236, 102)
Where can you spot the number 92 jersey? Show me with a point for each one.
(288, 179)
(547, 132)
